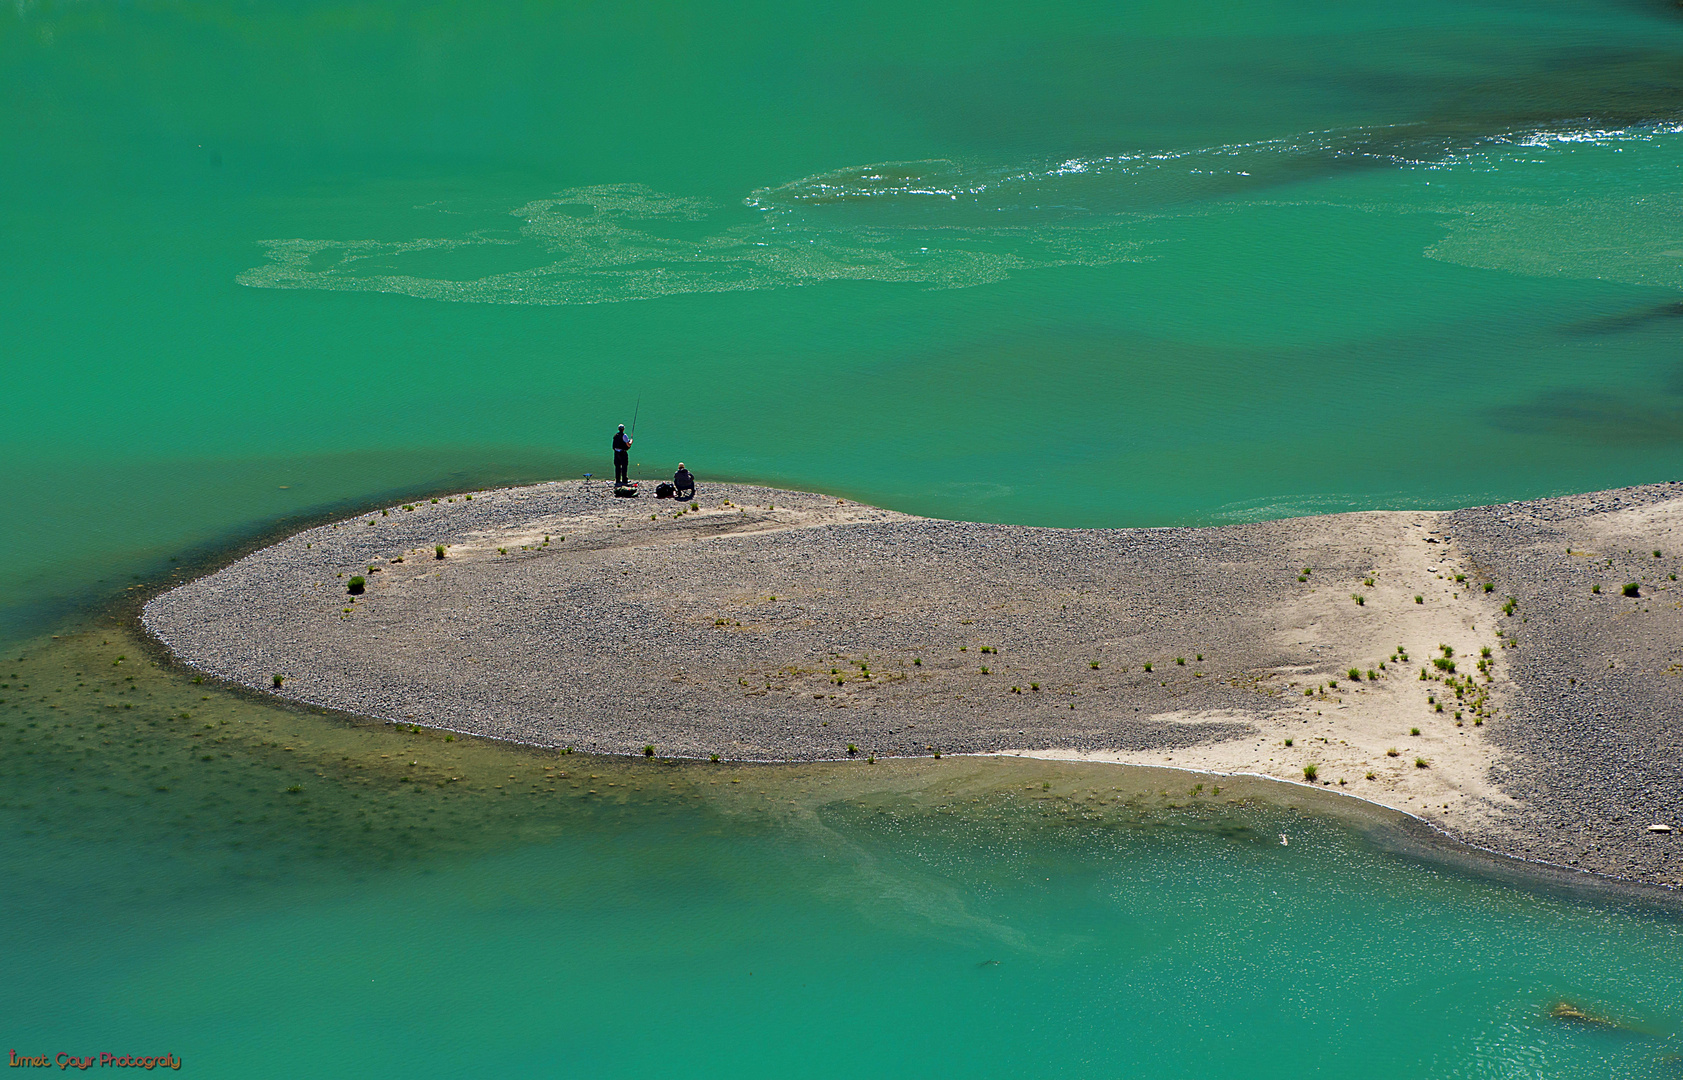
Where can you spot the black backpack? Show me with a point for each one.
(663, 491)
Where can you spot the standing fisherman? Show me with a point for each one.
(622, 457)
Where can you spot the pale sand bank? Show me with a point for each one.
(774, 625)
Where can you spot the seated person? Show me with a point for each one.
(683, 483)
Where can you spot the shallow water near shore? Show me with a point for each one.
(200, 872)
(1065, 264)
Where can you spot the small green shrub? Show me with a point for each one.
(1355, 675)
(1361, 601)
(1632, 589)
(1596, 589)
(1311, 772)
(917, 661)
(1392, 752)
(713, 757)
(438, 551)
(1418, 599)
(1420, 763)
(1094, 664)
(1414, 731)
(1489, 586)
(851, 749)
(648, 751)
(1181, 660)
(1508, 608)
(1147, 665)
(276, 680)
(984, 671)
(1656, 553)
(1288, 742)
(356, 585)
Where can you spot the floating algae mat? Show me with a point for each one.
(259, 889)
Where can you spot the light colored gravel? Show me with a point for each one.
(778, 625)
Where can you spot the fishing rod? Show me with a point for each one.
(634, 413)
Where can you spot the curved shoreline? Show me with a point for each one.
(779, 626)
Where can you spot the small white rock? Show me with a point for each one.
(1659, 828)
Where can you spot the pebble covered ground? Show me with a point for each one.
(759, 624)
(1596, 746)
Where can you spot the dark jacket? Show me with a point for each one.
(622, 442)
(683, 481)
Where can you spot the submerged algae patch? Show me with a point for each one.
(97, 728)
(101, 735)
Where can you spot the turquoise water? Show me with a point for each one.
(303, 898)
(1215, 261)
(1059, 263)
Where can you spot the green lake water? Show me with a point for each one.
(1067, 264)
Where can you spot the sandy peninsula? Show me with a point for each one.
(1483, 669)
